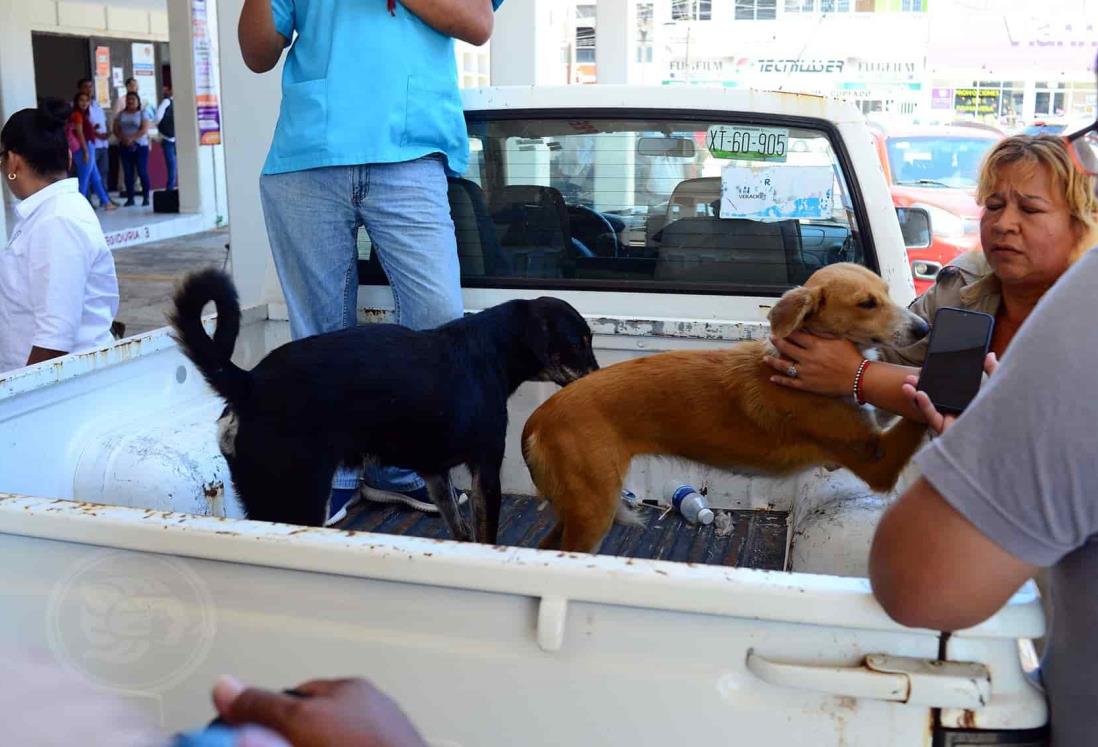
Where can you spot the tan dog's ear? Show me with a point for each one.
(792, 309)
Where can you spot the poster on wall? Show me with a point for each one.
(144, 72)
(102, 62)
(205, 81)
(102, 75)
(941, 98)
(976, 101)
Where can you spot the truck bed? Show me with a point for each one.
(757, 539)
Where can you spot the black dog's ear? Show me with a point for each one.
(792, 309)
(537, 330)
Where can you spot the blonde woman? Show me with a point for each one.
(1040, 215)
(1007, 491)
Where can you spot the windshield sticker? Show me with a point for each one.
(777, 193)
(769, 144)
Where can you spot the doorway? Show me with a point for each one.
(59, 61)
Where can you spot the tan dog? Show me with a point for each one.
(719, 408)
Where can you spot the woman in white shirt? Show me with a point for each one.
(58, 289)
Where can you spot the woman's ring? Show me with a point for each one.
(791, 372)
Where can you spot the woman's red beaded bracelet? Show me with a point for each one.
(858, 381)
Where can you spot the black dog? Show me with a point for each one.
(426, 401)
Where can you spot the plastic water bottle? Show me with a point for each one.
(629, 498)
(690, 503)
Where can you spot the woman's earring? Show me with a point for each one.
(11, 176)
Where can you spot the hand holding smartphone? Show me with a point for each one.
(954, 364)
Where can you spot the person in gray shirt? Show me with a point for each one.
(1010, 488)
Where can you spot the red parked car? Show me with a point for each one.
(936, 168)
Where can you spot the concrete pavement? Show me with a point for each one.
(147, 274)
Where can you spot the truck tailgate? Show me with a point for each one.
(482, 645)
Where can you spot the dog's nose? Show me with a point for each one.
(919, 327)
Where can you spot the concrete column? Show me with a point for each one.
(616, 41)
(249, 110)
(1029, 98)
(186, 122)
(16, 58)
(527, 42)
(16, 74)
(201, 181)
(661, 48)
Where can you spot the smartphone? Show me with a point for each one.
(954, 364)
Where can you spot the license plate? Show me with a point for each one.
(770, 144)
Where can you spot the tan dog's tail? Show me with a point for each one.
(583, 488)
(549, 484)
(534, 464)
(531, 454)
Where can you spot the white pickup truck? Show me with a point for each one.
(672, 218)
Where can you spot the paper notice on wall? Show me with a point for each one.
(102, 91)
(116, 76)
(144, 72)
(777, 193)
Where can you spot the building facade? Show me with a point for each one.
(47, 45)
(997, 61)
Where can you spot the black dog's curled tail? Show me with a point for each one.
(211, 355)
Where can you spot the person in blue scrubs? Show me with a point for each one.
(370, 125)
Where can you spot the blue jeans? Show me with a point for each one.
(135, 158)
(87, 172)
(169, 161)
(312, 220)
(103, 162)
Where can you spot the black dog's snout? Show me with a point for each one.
(919, 328)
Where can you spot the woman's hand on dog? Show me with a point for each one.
(938, 422)
(824, 366)
(328, 713)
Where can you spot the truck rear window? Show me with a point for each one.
(648, 205)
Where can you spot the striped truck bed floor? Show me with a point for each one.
(757, 538)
